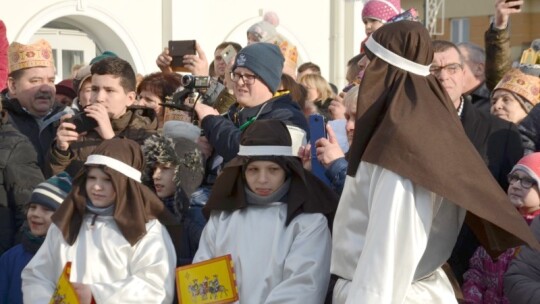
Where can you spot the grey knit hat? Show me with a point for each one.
(263, 59)
(52, 192)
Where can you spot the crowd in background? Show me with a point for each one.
(129, 176)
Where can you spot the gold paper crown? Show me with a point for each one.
(22, 56)
(527, 86)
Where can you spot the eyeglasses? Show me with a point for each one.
(451, 69)
(246, 78)
(526, 182)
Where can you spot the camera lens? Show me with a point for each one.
(187, 80)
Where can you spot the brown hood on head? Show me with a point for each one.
(307, 194)
(406, 123)
(135, 203)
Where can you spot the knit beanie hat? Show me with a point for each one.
(263, 31)
(381, 10)
(522, 84)
(81, 75)
(530, 164)
(103, 55)
(65, 87)
(52, 192)
(263, 59)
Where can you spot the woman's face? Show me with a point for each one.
(506, 106)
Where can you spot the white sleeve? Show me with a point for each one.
(306, 271)
(40, 276)
(153, 272)
(400, 217)
(207, 243)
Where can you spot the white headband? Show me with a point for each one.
(396, 60)
(113, 163)
(265, 150)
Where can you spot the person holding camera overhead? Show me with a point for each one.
(108, 115)
(256, 75)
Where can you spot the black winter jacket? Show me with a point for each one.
(19, 174)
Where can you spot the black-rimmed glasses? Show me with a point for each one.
(246, 78)
(451, 69)
(526, 182)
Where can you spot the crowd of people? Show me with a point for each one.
(431, 164)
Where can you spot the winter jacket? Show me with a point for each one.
(19, 174)
(42, 136)
(336, 174)
(136, 124)
(480, 98)
(12, 262)
(223, 132)
(522, 280)
(498, 62)
(529, 128)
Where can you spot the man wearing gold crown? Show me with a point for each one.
(31, 106)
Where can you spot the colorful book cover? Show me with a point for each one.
(211, 281)
(64, 292)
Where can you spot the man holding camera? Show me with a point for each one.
(256, 75)
(31, 106)
(113, 92)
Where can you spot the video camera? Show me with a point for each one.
(185, 99)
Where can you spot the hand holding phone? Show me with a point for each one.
(82, 122)
(317, 130)
(177, 50)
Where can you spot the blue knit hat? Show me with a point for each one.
(52, 192)
(103, 55)
(263, 59)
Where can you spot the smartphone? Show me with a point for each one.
(228, 54)
(177, 50)
(516, 6)
(317, 130)
(82, 122)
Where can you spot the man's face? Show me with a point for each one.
(35, 90)
(249, 95)
(448, 69)
(473, 72)
(220, 66)
(106, 90)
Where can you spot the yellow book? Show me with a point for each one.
(211, 281)
(64, 292)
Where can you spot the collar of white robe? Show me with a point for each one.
(396, 60)
(113, 163)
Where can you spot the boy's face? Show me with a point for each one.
(99, 188)
(163, 181)
(527, 200)
(39, 219)
(264, 177)
(106, 90)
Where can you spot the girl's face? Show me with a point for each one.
(506, 106)
(39, 219)
(99, 187)
(371, 25)
(264, 177)
(527, 200)
(312, 92)
(163, 181)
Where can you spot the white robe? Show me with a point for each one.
(104, 259)
(273, 263)
(390, 238)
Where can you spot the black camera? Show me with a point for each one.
(82, 122)
(195, 82)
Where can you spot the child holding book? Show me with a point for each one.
(108, 229)
(483, 282)
(270, 215)
(45, 199)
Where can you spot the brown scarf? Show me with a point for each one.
(307, 194)
(135, 203)
(406, 123)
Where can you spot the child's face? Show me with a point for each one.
(39, 219)
(371, 25)
(264, 177)
(527, 200)
(163, 181)
(99, 187)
